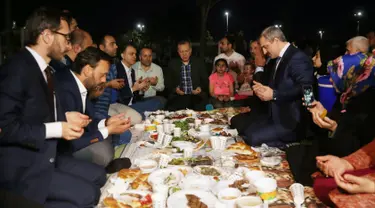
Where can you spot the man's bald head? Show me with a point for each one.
(80, 40)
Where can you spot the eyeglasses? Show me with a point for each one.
(66, 36)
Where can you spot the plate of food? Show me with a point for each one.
(199, 160)
(129, 199)
(217, 130)
(185, 170)
(207, 170)
(241, 148)
(128, 174)
(183, 145)
(186, 138)
(169, 177)
(192, 199)
(140, 183)
(200, 182)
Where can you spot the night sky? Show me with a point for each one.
(180, 18)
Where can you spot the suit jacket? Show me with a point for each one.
(59, 66)
(125, 94)
(26, 156)
(294, 70)
(199, 75)
(70, 100)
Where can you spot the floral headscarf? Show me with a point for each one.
(352, 74)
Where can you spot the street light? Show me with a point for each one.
(141, 27)
(227, 15)
(358, 14)
(279, 26)
(321, 32)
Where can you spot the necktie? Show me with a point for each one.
(276, 66)
(51, 91)
(132, 75)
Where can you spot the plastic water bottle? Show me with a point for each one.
(209, 107)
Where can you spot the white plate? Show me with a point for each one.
(197, 169)
(159, 176)
(223, 184)
(188, 169)
(179, 200)
(126, 198)
(197, 182)
(183, 144)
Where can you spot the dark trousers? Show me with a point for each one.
(10, 199)
(194, 102)
(264, 130)
(75, 183)
(149, 104)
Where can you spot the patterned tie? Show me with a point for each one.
(51, 90)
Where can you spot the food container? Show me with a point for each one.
(157, 122)
(150, 127)
(229, 196)
(249, 202)
(254, 175)
(154, 136)
(266, 189)
(160, 117)
(147, 166)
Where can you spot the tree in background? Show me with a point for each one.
(205, 8)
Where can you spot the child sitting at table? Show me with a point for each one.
(221, 85)
(245, 78)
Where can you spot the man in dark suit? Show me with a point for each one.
(291, 71)
(88, 74)
(29, 164)
(130, 94)
(186, 80)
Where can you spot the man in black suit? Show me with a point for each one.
(186, 80)
(291, 71)
(29, 164)
(88, 74)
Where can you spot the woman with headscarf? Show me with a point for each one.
(349, 125)
(355, 173)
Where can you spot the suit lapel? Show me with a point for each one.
(72, 86)
(33, 65)
(282, 65)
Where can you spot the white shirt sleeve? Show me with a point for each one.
(104, 132)
(101, 124)
(53, 130)
(259, 69)
(160, 85)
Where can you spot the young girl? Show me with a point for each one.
(245, 79)
(221, 85)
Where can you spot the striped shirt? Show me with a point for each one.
(101, 104)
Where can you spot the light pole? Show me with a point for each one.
(227, 15)
(321, 32)
(358, 15)
(140, 27)
(279, 26)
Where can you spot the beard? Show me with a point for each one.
(96, 91)
(55, 51)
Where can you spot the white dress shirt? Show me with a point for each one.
(282, 54)
(53, 129)
(83, 91)
(128, 72)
